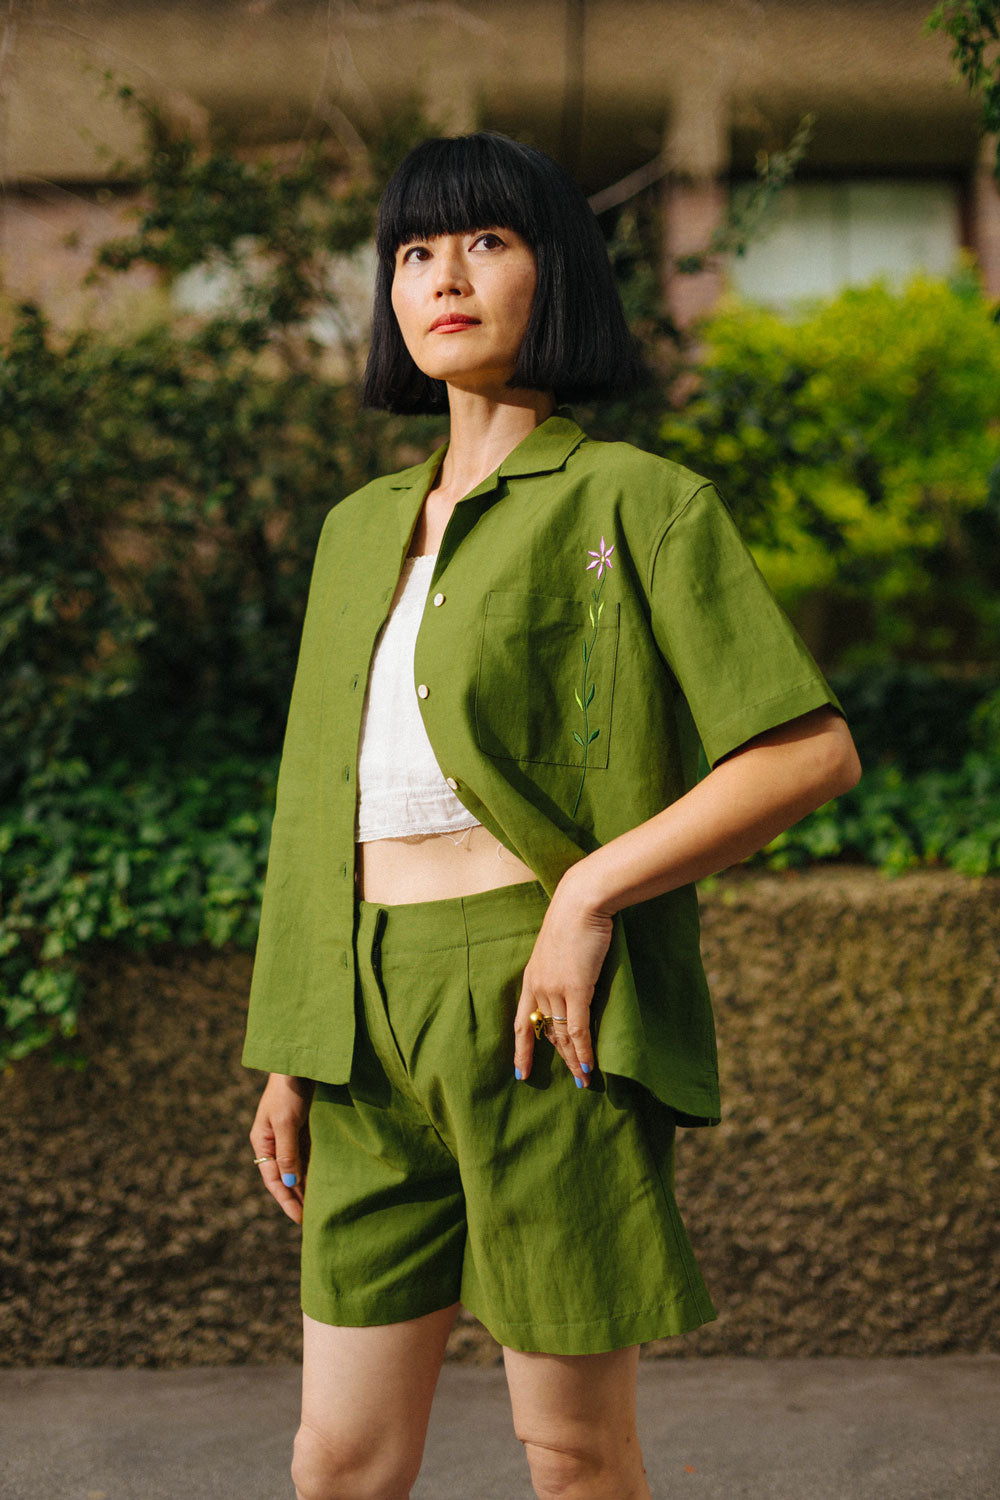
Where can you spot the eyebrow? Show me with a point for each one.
(419, 239)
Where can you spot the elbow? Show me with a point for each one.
(842, 769)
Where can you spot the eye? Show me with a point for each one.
(413, 251)
(489, 235)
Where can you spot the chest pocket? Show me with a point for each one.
(546, 679)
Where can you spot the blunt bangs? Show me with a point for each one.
(453, 186)
(577, 343)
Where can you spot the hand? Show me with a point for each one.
(280, 1131)
(560, 979)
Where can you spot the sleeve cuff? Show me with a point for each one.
(757, 718)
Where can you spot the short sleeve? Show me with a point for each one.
(739, 661)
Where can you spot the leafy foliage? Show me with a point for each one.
(134, 859)
(974, 27)
(859, 446)
(949, 818)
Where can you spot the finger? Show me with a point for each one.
(558, 1036)
(524, 1037)
(288, 1167)
(571, 1039)
(580, 1040)
(287, 1195)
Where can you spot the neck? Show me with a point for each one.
(484, 430)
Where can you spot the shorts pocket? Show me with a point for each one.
(546, 679)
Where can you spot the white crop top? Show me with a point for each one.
(401, 787)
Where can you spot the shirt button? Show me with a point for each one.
(438, 598)
(423, 690)
(452, 783)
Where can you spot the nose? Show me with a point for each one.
(452, 278)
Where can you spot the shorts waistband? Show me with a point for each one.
(450, 921)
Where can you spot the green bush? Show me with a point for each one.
(134, 858)
(859, 446)
(898, 822)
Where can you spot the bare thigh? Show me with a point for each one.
(576, 1416)
(366, 1401)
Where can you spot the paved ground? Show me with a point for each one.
(781, 1429)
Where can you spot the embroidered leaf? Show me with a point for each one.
(600, 607)
(577, 737)
(584, 644)
(590, 611)
(593, 735)
(590, 695)
(576, 695)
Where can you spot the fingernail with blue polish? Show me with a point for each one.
(518, 1074)
(585, 1067)
(579, 1083)
(289, 1179)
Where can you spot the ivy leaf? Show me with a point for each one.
(593, 735)
(577, 737)
(590, 695)
(576, 695)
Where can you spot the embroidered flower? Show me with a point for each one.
(585, 694)
(602, 559)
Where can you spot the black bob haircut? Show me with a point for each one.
(577, 343)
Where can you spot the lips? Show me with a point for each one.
(453, 320)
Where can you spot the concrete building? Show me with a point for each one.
(684, 94)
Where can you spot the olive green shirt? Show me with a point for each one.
(592, 614)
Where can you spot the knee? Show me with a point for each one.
(324, 1468)
(585, 1470)
(558, 1472)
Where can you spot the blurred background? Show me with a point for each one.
(802, 204)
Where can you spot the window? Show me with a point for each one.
(828, 235)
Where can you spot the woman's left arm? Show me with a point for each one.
(751, 796)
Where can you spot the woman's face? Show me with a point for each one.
(463, 302)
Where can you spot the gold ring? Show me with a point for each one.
(258, 1159)
(539, 1022)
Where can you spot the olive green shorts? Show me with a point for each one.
(435, 1177)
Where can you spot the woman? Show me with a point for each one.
(477, 987)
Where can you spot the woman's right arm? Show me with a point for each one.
(279, 1131)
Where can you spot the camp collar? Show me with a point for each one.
(546, 448)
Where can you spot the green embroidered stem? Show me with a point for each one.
(583, 697)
